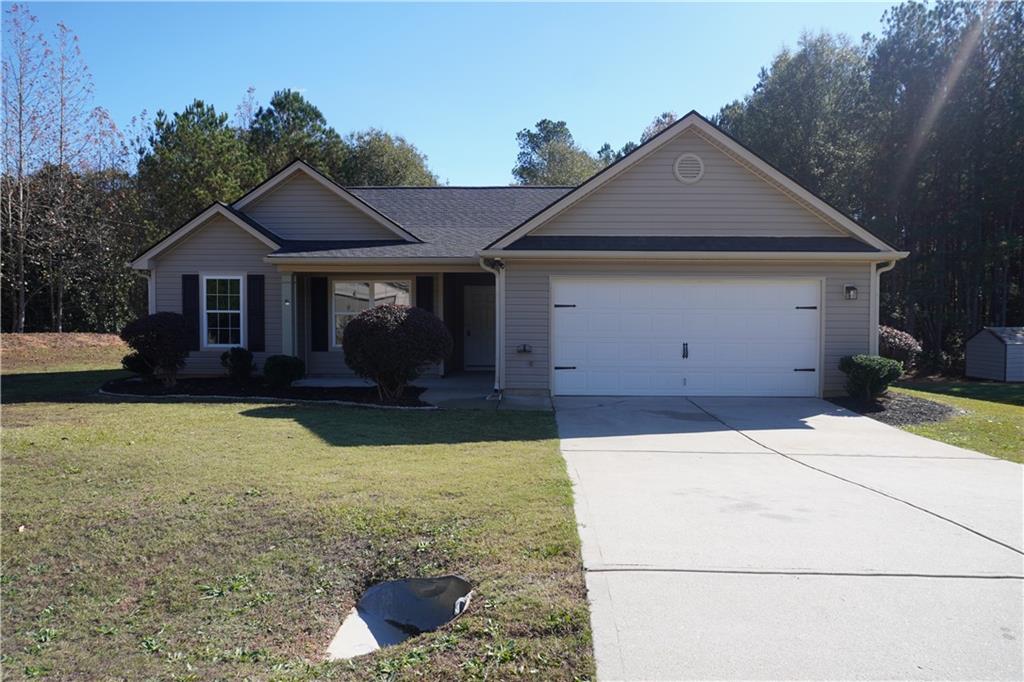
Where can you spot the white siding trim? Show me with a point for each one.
(288, 313)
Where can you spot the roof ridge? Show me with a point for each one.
(352, 187)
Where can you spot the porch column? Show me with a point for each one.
(288, 313)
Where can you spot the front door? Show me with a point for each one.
(478, 327)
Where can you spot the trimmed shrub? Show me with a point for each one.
(238, 362)
(868, 376)
(136, 364)
(161, 343)
(898, 345)
(391, 345)
(280, 371)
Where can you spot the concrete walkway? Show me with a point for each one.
(733, 538)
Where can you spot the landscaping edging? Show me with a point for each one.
(264, 399)
(222, 389)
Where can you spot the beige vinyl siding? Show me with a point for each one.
(730, 200)
(986, 357)
(219, 247)
(527, 308)
(302, 208)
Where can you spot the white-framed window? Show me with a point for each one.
(223, 317)
(352, 296)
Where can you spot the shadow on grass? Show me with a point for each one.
(353, 427)
(55, 387)
(334, 424)
(992, 391)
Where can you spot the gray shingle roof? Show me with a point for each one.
(457, 222)
(453, 222)
(1011, 336)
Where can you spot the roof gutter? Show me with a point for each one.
(869, 256)
(342, 260)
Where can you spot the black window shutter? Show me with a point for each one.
(255, 306)
(318, 313)
(190, 308)
(425, 293)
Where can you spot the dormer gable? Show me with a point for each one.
(299, 202)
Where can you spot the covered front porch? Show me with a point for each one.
(317, 304)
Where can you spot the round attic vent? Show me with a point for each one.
(689, 168)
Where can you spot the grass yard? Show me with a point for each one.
(185, 540)
(994, 419)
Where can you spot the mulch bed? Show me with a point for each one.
(222, 386)
(897, 409)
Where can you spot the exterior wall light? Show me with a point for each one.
(850, 292)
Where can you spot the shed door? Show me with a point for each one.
(658, 336)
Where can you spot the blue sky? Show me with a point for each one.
(457, 80)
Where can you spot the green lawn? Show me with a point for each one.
(227, 540)
(994, 419)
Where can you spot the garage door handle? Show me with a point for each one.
(803, 369)
(686, 350)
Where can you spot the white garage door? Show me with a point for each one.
(660, 336)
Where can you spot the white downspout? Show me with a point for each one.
(498, 270)
(876, 298)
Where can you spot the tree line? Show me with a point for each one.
(79, 196)
(917, 133)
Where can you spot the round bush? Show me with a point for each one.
(869, 376)
(392, 344)
(161, 342)
(239, 364)
(280, 371)
(898, 345)
(136, 364)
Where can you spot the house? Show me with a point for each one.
(996, 353)
(689, 267)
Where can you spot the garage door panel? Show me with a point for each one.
(744, 337)
(569, 352)
(601, 323)
(670, 324)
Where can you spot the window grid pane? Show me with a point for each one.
(224, 311)
(396, 293)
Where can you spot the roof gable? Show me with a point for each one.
(1008, 336)
(245, 223)
(300, 202)
(740, 194)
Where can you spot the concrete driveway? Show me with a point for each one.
(740, 538)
